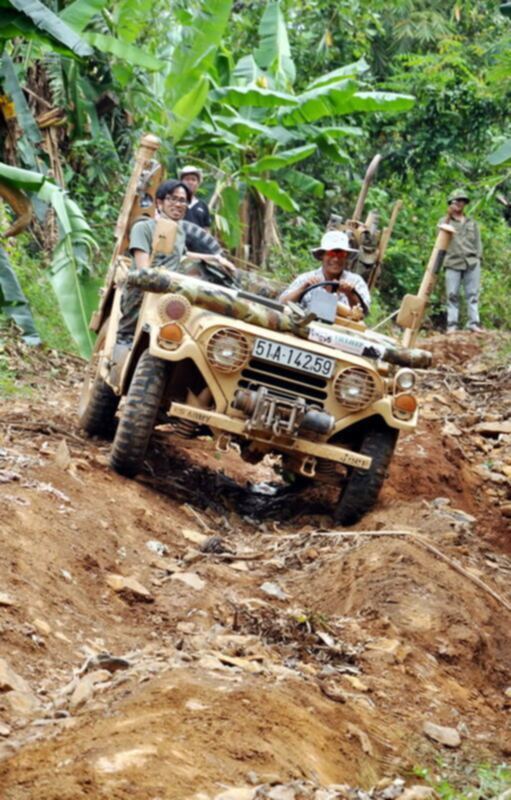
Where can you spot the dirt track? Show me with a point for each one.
(375, 630)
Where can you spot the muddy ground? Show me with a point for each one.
(284, 653)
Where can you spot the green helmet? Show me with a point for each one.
(458, 194)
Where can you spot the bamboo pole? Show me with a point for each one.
(436, 259)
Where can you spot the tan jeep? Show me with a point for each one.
(330, 397)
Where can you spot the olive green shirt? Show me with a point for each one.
(465, 250)
(141, 238)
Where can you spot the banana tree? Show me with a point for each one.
(269, 130)
(69, 274)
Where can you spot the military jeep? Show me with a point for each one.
(328, 395)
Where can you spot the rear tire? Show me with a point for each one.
(137, 422)
(363, 486)
(98, 402)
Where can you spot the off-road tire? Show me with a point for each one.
(98, 402)
(362, 487)
(139, 414)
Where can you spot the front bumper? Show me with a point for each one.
(222, 422)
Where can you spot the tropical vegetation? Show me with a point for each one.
(281, 103)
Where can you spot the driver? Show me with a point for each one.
(333, 253)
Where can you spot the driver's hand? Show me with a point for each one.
(313, 281)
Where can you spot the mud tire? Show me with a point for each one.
(139, 414)
(362, 487)
(98, 402)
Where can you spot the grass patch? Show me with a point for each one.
(485, 782)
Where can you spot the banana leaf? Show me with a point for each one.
(45, 20)
(70, 261)
(326, 101)
(228, 217)
(244, 128)
(195, 53)
(273, 191)
(70, 268)
(187, 108)
(348, 71)
(274, 52)
(127, 52)
(12, 87)
(304, 184)
(14, 303)
(247, 71)
(78, 14)
(282, 159)
(253, 96)
(22, 178)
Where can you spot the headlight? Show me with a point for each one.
(356, 388)
(405, 380)
(228, 350)
(174, 307)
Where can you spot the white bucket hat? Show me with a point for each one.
(191, 170)
(333, 240)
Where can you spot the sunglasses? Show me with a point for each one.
(334, 253)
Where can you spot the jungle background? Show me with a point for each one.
(282, 105)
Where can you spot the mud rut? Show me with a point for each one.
(186, 637)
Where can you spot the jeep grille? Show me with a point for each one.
(283, 381)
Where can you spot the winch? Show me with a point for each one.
(280, 415)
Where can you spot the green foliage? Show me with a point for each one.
(69, 273)
(34, 279)
(33, 20)
(13, 303)
(484, 783)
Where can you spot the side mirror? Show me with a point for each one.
(411, 311)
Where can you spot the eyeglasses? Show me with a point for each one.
(334, 253)
(177, 201)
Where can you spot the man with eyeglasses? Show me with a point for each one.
(172, 198)
(333, 252)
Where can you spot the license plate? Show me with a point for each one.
(293, 357)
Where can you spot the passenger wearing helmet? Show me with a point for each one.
(462, 263)
(333, 252)
(198, 211)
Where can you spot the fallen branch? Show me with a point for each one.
(47, 428)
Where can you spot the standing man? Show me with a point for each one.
(198, 211)
(462, 263)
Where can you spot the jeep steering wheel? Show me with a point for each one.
(316, 286)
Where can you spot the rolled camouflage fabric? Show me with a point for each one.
(217, 299)
(408, 357)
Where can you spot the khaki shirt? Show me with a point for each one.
(465, 250)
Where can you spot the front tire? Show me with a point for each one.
(137, 422)
(98, 402)
(363, 486)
